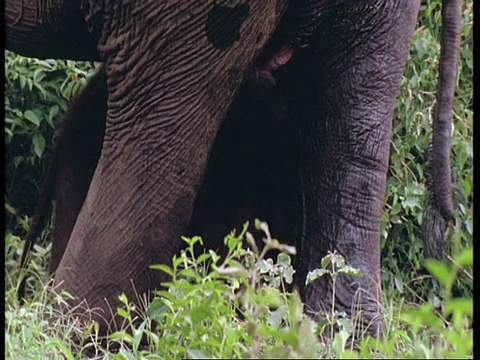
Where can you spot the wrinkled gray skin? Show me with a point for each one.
(70, 168)
(173, 69)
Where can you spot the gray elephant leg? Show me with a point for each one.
(344, 104)
(77, 153)
(171, 74)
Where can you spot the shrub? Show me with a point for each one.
(36, 95)
(401, 241)
(238, 307)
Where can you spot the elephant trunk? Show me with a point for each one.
(438, 204)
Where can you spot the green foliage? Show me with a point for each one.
(39, 258)
(424, 331)
(233, 307)
(34, 330)
(36, 95)
(238, 307)
(334, 342)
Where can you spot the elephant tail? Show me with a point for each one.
(41, 211)
(438, 201)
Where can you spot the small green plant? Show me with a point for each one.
(238, 306)
(36, 273)
(332, 265)
(431, 330)
(37, 329)
(231, 307)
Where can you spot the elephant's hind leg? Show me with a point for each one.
(342, 90)
(78, 150)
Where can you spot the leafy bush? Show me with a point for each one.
(238, 307)
(227, 308)
(36, 95)
(401, 243)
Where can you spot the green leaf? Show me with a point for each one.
(270, 297)
(189, 273)
(315, 274)
(32, 117)
(127, 354)
(166, 269)
(10, 209)
(121, 335)
(52, 113)
(38, 75)
(63, 347)
(284, 259)
(201, 312)
(196, 354)
(258, 224)
(326, 260)
(411, 202)
(466, 257)
(338, 260)
(462, 305)
(440, 270)
(265, 266)
(23, 81)
(157, 307)
(340, 340)
(232, 242)
(275, 318)
(123, 313)
(288, 274)
(137, 336)
(38, 142)
(347, 269)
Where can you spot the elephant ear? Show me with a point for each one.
(438, 200)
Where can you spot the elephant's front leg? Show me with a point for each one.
(344, 101)
(172, 72)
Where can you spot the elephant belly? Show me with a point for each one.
(252, 170)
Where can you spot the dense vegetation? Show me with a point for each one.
(236, 306)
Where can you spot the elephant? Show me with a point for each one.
(70, 168)
(174, 69)
(257, 112)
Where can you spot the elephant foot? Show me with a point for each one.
(352, 302)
